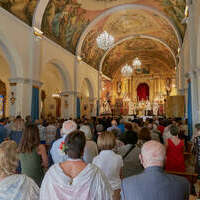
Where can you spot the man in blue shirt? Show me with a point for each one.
(3, 130)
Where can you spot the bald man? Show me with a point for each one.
(154, 183)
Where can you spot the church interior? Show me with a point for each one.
(74, 58)
(64, 59)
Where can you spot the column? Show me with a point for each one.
(197, 84)
(68, 104)
(21, 90)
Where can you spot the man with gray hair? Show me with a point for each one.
(56, 153)
(154, 183)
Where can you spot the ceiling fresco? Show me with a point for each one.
(23, 9)
(124, 24)
(65, 20)
(150, 52)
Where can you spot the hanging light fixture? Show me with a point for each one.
(137, 65)
(105, 40)
(127, 70)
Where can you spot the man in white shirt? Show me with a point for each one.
(56, 153)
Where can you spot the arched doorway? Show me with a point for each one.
(143, 92)
(4, 86)
(53, 85)
(86, 104)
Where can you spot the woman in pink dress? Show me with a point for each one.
(175, 152)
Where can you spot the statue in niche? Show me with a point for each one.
(155, 108)
(119, 87)
(168, 86)
(148, 107)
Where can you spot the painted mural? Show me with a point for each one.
(148, 51)
(125, 24)
(65, 20)
(23, 9)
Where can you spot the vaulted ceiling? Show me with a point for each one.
(148, 29)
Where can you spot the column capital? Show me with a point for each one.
(69, 92)
(197, 70)
(25, 81)
(189, 74)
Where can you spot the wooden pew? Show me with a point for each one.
(191, 177)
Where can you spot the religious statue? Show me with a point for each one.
(119, 87)
(130, 108)
(155, 108)
(105, 108)
(147, 108)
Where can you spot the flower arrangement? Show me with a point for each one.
(63, 147)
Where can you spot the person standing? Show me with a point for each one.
(154, 183)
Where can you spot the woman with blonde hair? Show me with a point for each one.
(12, 185)
(109, 162)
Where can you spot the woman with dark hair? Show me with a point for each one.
(74, 179)
(131, 151)
(32, 154)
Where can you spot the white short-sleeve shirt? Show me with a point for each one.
(110, 163)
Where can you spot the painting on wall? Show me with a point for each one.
(64, 21)
(23, 9)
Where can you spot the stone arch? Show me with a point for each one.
(136, 36)
(89, 86)
(38, 13)
(124, 7)
(12, 57)
(63, 72)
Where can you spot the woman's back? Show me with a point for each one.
(89, 184)
(31, 165)
(174, 156)
(132, 165)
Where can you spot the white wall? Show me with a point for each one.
(28, 66)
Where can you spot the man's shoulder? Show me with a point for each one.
(57, 143)
(177, 179)
(133, 179)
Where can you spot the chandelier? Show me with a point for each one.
(105, 41)
(127, 70)
(137, 65)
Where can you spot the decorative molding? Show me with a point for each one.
(65, 93)
(26, 81)
(13, 84)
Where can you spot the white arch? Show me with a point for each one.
(11, 56)
(123, 7)
(38, 13)
(132, 37)
(67, 81)
(89, 86)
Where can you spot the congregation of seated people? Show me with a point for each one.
(102, 158)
